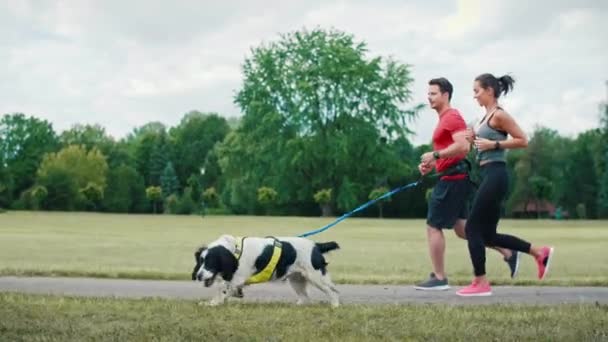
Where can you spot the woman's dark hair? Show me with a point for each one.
(501, 85)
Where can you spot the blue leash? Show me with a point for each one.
(345, 216)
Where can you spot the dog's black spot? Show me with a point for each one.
(288, 257)
(325, 247)
(317, 260)
(221, 260)
(264, 258)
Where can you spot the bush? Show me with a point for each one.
(323, 196)
(154, 195)
(581, 211)
(171, 204)
(33, 197)
(211, 198)
(218, 211)
(186, 205)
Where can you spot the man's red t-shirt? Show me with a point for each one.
(450, 122)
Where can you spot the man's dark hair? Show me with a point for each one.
(444, 86)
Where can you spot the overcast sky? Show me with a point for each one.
(125, 63)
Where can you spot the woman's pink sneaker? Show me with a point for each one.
(476, 290)
(543, 262)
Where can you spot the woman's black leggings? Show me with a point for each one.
(483, 219)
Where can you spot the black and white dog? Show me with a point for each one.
(236, 260)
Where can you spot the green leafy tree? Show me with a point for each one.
(125, 191)
(86, 171)
(377, 192)
(155, 196)
(211, 197)
(23, 143)
(317, 111)
(267, 197)
(194, 138)
(323, 198)
(168, 181)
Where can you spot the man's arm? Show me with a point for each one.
(459, 147)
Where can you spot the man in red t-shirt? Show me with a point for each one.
(448, 205)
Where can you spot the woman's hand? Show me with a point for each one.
(484, 144)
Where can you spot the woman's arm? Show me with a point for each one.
(504, 122)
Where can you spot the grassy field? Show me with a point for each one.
(43, 318)
(373, 251)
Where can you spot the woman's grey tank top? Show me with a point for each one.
(484, 130)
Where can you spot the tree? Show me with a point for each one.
(377, 192)
(535, 177)
(317, 110)
(542, 189)
(151, 149)
(211, 197)
(154, 195)
(323, 198)
(23, 142)
(194, 138)
(579, 184)
(267, 197)
(95, 136)
(74, 169)
(89, 136)
(603, 192)
(603, 166)
(168, 181)
(196, 191)
(186, 205)
(125, 191)
(6, 184)
(62, 190)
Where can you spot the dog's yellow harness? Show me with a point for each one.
(266, 273)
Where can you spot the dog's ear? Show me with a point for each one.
(198, 252)
(228, 263)
(197, 260)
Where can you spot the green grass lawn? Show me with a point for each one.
(373, 251)
(44, 318)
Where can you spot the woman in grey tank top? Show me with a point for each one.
(491, 139)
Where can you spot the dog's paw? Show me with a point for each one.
(212, 303)
(238, 293)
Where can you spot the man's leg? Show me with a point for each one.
(438, 216)
(436, 242)
(437, 280)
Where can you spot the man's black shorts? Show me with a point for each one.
(449, 202)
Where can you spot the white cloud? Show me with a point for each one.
(123, 64)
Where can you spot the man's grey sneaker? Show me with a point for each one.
(513, 263)
(433, 284)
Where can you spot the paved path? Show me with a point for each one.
(282, 292)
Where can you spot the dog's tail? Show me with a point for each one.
(325, 247)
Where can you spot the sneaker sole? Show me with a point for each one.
(481, 294)
(516, 265)
(549, 257)
(434, 288)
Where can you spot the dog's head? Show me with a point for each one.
(213, 261)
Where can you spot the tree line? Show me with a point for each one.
(324, 128)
